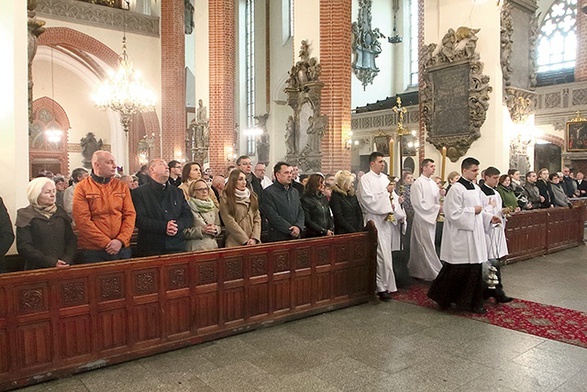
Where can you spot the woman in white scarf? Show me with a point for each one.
(239, 208)
(44, 237)
(202, 235)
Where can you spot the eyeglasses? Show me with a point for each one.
(177, 167)
(201, 190)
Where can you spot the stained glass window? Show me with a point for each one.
(557, 43)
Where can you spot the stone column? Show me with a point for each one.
(14, 108)
(173, 115)
(222, 79)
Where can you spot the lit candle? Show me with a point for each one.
(443, 164)
(391, 157)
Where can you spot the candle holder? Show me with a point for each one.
(391, 217)
(440, 217)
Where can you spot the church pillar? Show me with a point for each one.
(222, 80)
(173, 116)
(14, 107)
(335, 59)
(493, 146)
(581, 62)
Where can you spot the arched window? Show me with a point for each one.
(557, 44)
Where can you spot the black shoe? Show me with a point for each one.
(479, 310)
(502, 299)
(384, 296)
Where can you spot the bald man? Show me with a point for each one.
(103, 213)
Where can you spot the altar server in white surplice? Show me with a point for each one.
(425, 197)
(497, 247)
(373, 195)
(463, 244)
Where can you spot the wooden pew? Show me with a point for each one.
(61, 321)
(539, 232)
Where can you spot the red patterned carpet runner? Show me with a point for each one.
(545, 321)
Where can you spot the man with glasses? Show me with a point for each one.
(174, 173)
(162, 213)
(244, 163)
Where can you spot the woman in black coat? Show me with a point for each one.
(348, 217)
(317, 214)
(44, 237)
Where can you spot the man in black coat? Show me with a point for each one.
(244, 163)
(282, 207)
(162, 213)
(568, 184)
(6, 234)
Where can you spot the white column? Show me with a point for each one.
(306, 27)
(13, 106)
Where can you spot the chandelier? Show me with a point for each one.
(124, 91)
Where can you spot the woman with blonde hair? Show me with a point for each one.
(44, 237)
(348, 217)
(239, 209)
(206, 226)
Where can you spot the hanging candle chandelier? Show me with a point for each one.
(123, 91)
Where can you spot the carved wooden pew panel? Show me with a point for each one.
(538, 232)
(60, 321)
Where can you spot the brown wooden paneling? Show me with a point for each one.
(74, 336)
(58, 321)
(178, 316)
(112, 329)
(538, 232)
(35, 348)
(5, 344)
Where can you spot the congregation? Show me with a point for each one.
(176, 208)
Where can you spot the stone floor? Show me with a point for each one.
(376, 347)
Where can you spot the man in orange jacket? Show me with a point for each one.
(103, 213)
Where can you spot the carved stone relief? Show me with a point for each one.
(532, 56)
(106, 17)
(506, 33)
(454, 88)
(365, 45)
(521, 104)
(198, 135)
(89, 146)
(306, 127)
(35, 28)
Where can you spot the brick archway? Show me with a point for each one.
(79, 46)
(59, 114)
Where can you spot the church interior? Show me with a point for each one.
(320, 84)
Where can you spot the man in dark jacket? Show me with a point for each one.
(281, 206)
(6, 234)
(162, 213)
(244, 163)
(569, 185)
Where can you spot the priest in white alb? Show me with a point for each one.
(373, 194)
(425, 197)
(463, 248)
